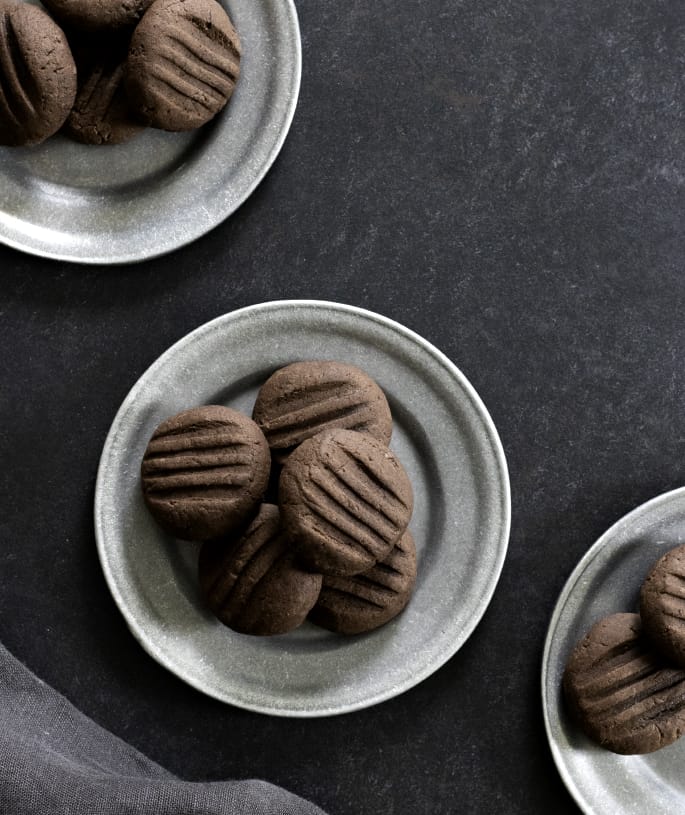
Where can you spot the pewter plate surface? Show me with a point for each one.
(160, 191)
(608, 580)
(442, 434)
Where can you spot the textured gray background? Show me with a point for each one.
(504, 177)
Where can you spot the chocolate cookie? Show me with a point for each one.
(101, 113)
(204, 472)
(37, 75)
(93, 15)
(183, 63)
(623, 694)
(345, 501)
(362, 602)
(662, 605)
(304, 398)
(255, 585)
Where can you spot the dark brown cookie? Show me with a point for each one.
(183, 63)
(255, 585)
(95, 15)
(204, 472)
(662, 605)
(345, 500)
(362, 602)
(304, 398)
(37, 75)
(623, 694)
(101, 113)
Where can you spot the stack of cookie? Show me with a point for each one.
(331, 543)
(624, 683)
(102, 70)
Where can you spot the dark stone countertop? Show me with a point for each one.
(503, 177)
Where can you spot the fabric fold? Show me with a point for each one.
(54, 759)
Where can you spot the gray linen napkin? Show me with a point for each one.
(56, 761)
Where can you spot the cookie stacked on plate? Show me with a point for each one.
(104, 69)
(624, 682)
(330, 543)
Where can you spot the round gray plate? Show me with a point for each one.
(608, 580)
(133, 201)
(444, 437)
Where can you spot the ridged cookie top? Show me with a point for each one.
(183, 64)
(345, 500)
(362, 602)
(662, 605)
(92, 15)
(204, 471)
(304, 398)
(623, 694)
(254, 585)
(37, 75)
